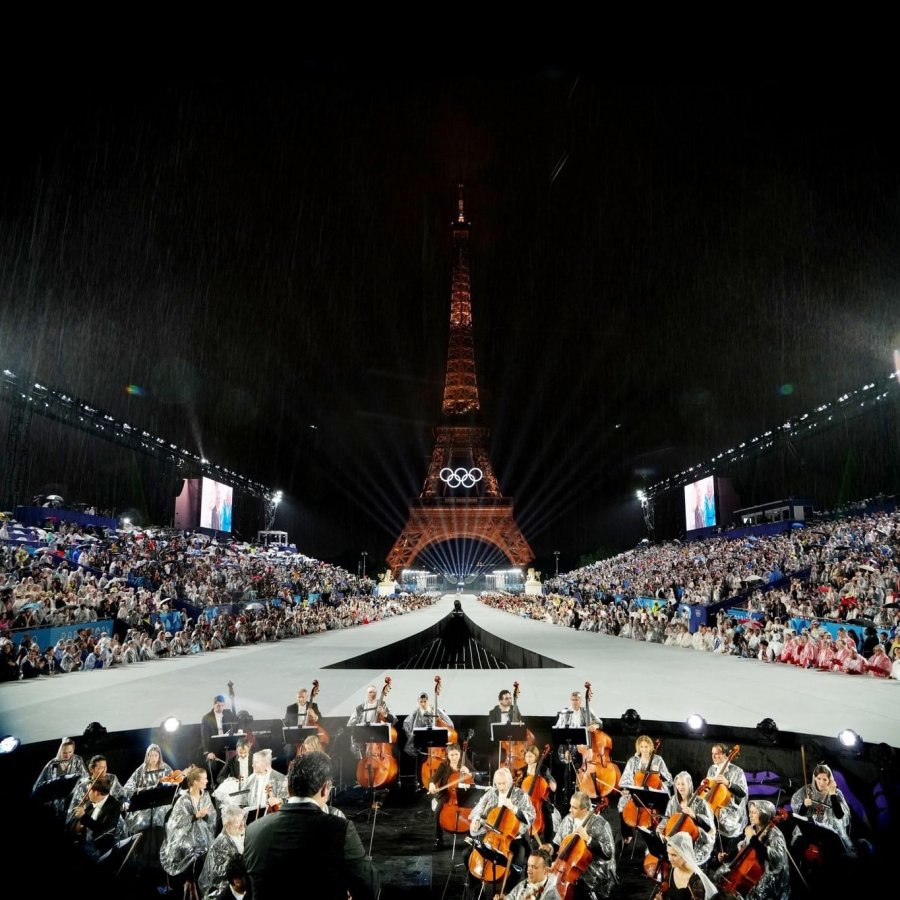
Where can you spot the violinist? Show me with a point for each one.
(731, 819)
(645, 768)
(423, 716)
(686, 881)
(697, 810)
(822, 803)
(96, 819)
(775, 883)
(533, 768)
(594, 830)
(228, 846)
(303, 712)
(449, 772)
(147, 775)
(504, 794)
(97, 768)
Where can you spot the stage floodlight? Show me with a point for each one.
(768, 730)
(631, 721)
(695, 723)
(9, 743)
(850, 739)
(171, 724)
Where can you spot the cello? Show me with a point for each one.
(538, 791)
(491, 858)
(514, 751)
(453, 817)
(436, 755)
(378, 766)
(749, 866)
(632, 814)
(718, 795)
(571, 862)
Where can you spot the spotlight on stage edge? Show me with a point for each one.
(695, 722)
(850, 739)
(171, 724)
(9, 743)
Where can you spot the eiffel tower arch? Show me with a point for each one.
(461, 497)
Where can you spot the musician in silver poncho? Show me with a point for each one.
(190, 829)
(97, 768)
(265, 787)
(600, 875)
(775, 883)
(66, 762)
(147, 775)
(823, 803)
(731, 819)
(227, 846)
(698, 810)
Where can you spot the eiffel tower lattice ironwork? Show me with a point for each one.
(461, 497)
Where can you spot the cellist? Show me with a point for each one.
(823, 803)
(645, 768)
(450, 772)
(594, 830)
(771, 851)
(534, 768)
(685, 803)
(504, 794)
(731, 819)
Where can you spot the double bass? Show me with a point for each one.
(514, 751)
(323, 734)
(599, 775)
(378, 766)
(436, 755)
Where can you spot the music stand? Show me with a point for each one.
(163, 794)
(57, 789)
(568, 738)
(120, 850)
(511, 731)
(427, 737)
(222, 743)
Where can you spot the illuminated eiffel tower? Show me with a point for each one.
(461, 497)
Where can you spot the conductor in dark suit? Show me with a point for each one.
(218, 720)
(276, 847)
(296, 713)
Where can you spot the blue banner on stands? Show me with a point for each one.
(47, 635)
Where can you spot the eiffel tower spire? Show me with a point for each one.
(460, 384)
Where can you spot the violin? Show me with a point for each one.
(514, 751)
(378, 766)
(176, 777)
(749, 865)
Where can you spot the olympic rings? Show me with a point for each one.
(466, 478)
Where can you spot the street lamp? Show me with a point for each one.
(364, 555)
(556, 554)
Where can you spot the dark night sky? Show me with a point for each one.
(263, 257)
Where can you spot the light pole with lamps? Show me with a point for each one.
(556, 554)
(364, 555)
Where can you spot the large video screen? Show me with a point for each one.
(700, 504)
(215, 505)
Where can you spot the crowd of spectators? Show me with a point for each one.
(145, 582)
(846, 572)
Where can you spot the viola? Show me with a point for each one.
(378, 766)
(571, 862)
(749, 865)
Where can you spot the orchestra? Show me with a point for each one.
(521, 835)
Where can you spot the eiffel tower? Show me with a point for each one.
(461, 497)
